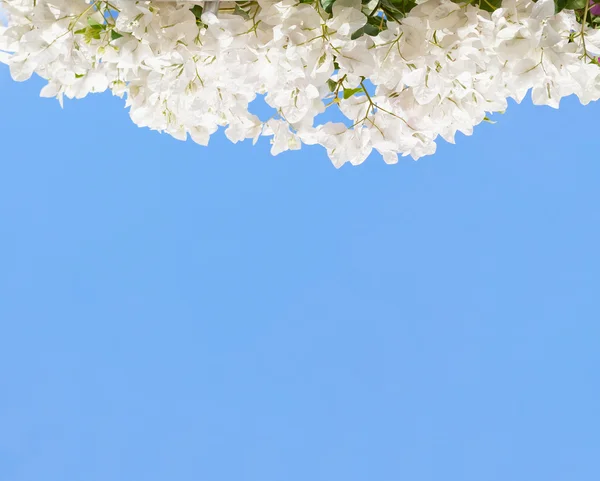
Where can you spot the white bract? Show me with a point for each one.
(438, 71)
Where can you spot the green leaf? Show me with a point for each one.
(359, 33)
(375, 25)
(369, 6)
(115, 35)
(92, 32)
(197, 11)
(489, 5)
(241, 12)
(327, 5)
(350, 92)
(397, 9)
(559, 5)
(575, 4)
(79, 75)
(372, 28)
(322, 59)
(92, 23)
(332, 85)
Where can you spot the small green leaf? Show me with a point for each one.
(115, 35)
(79, 75)
(575, 4)
(197, 11)
(559, 5)
(241, 12)
(332, 85)
(92, 23)
(359, 33)
(369, 6)
(490, 5)
(372, 28)
(396, 9)
(350, 92)
(327, 5)
(322, 59)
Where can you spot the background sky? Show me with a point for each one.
(174, 312)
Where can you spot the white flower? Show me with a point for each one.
(283, 138)
(347, 17)
(440, 71)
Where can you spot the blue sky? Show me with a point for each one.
(173, 312)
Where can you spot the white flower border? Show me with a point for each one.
(441, 70)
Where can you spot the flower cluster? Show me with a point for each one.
(401, 78)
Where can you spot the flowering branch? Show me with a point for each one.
(400, 72)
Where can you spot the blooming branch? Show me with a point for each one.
(401, 72)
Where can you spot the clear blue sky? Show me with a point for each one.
(173, 312)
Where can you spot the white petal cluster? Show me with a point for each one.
(439, 71)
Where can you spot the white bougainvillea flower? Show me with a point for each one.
(347, 17)
(399, 83)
